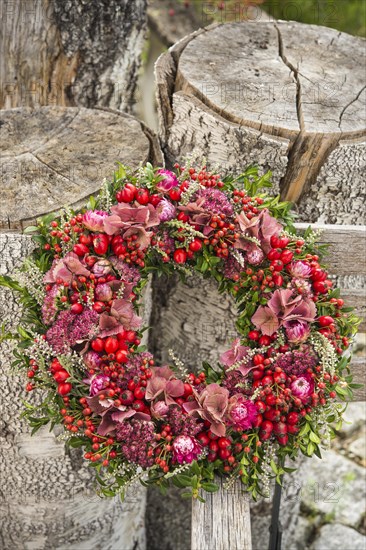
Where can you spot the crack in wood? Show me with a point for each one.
(348, 105)
(295, 72)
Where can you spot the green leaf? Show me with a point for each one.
(30, 229)
(209, 487)
(314, 438)
(183, 480)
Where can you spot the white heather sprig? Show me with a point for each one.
(326, 352)
(105, 198)
(178, 364)
(186, 227)
(250, 354)
(120, 291)
(238, 257)
(269, 455)
(32, 279)
(177, 471)
(193, 187)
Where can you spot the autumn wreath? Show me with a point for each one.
(271, 395)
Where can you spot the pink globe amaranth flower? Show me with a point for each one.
(103, 292)
(94, 220)
(170, 180)
(102, 268)
(92, 360)
(297, 331)
(302, 387)
(300, 270)
(255, 256)
(97, 383)
(186, 449)
(241, 412)
(167, 210)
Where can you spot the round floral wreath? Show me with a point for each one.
(272, 394)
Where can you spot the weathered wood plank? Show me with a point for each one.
(223, 522)
(347, 250)
(358, 369)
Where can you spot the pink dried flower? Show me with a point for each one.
(241, 412)
(103, 292)
(299, 269)
(125, 216)
(186, 449)
(282, 307)
(167, 210)
(121, 315)
(236, 354)
(92, 360)
(101, 268)
(97, 383)
(159, 409)
(170, 180)
(297, 331)
(94, 220)
(303, 387)
(262, 227)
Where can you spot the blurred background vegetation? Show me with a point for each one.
(345, 15)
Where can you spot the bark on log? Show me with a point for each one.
(47, 499)
(257, 99)
(70, 52)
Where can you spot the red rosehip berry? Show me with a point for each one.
(64, 388)
(180, 256)
(111, 344)
(98, 344)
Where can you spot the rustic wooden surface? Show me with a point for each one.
(51, 157)
(223, 521)
(55, 156)
(70, 52)
(245, 93)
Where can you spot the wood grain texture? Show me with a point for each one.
(70, 52)
(55, 156)
(223, 521)
(231, 83)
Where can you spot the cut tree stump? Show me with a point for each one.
(53, 157)
(286, 96)
(70, 52)
(58, 156)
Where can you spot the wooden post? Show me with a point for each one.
(223, 521)
(53, 157)
(55, 52)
